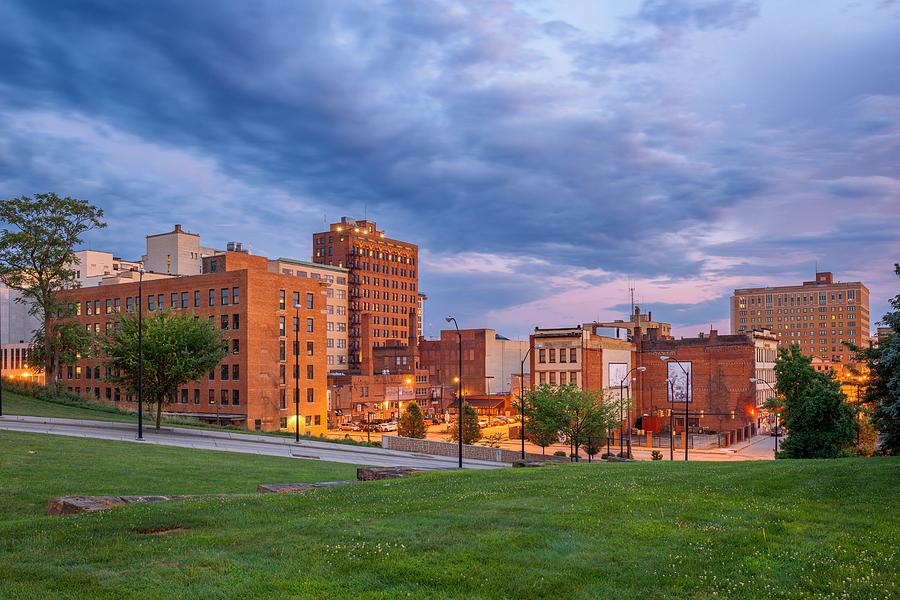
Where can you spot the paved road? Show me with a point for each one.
(237, 442)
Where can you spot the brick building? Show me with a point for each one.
(578, 355)
(625, 329)
(721, 395)
(377, 397)
(818, 315)
(383, 286)
(489, 360)
(253, 386)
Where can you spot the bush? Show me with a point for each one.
(559, 453)
(656, 455)
(412, 424)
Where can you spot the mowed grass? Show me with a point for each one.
(18, 404)
(783, 529)
(36, 467)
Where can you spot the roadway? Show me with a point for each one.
(237, 442)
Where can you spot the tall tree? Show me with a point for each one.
(412, 424)
(883, 391)
(819, 422)
(471, 428)
(177, 348)
(37, 258)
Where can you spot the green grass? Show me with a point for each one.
(644, 530)
(36, 467)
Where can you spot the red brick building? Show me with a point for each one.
(721, 396)
(253, 386)
(377, 397)
(489, 361)
(383, 286)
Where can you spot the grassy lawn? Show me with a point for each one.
(643, 530)
(36, 467)
(17, 404)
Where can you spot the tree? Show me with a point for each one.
(177, 348)
(471, 428)
(37, 257)
(69, 342)
(579, 415)
(883, 392)
(412, 424)
(819, 422)
(539, 434)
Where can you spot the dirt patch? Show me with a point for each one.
(163, 530)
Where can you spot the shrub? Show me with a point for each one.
(559, 453)
(656, 455)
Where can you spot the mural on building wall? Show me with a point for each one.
(680, 388)
(618, 372)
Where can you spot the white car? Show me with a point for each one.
(388, 426)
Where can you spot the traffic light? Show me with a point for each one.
(732, 415)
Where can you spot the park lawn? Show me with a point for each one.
(18, 404)
(774, 529)
(35, 467)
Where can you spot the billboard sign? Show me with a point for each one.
(618, 372)
(680, 388)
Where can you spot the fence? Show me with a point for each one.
(405, 444)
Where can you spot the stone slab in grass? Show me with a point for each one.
(376, 473)
(289, 488)
(73, 505)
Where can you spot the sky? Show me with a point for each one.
(546, 156)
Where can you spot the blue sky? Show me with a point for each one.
(544, 155)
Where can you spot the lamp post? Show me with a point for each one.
(522, 392)
(369, 427)
(687, 397)
(671, 420)
(140, 390)
(622, 401)
(297, 374)
(459, 394)
(769, 385)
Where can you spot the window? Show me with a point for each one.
(235, 321)
(89, 308)
(296, 299)
(281, 326)
(212, 396)
(173, 300)
(184, 396)
(552, 377)
(310, 395)
(309, 325)
(542, 356)
(129, 304)
(310, 300)
(235, 372)
(562, 355)
(235, 295)
(309, 348)
(224, 321)
(280, 299)
(212, 375)
(282, 374)
(552, 359)
(573, 355)
(318, 419)
(184, 299)
(108, 306)
(308, 420)
(196, 298)
(223, 397)
(235, 397)
(282, 401)
(212, 298)
(309, 371)
(235, 346)
(196, 396)
(223, 375)
(224, 296)
(281, 351)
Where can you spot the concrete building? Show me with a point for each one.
(578, 355)
(625, 329)
(383, 286)
(254, 385)
(489, 360)
(92, 266)
(16, 324)
(337, 308)
(720, 396)
(818, 315)
(177, 252)
(14, 363)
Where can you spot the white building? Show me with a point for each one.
(176, 252)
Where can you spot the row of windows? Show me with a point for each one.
(282, 397)
(551, 377)
(308, 421)
(328, 278)
(295, 300)
(296, 327)
(572, 354)
(226, 296)
(15, 358)
(796, 299)
(115, 395)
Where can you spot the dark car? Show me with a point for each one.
(776, 431)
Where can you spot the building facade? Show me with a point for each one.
(625, 329)
(818, 315)
(377, 397)
(336, 309)
(489, 360)
(383, 286)
(254, 385)
(177, 252)
(578, 355)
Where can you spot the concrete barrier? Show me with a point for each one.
(436, 448)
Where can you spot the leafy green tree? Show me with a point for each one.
(471, 428)
(818, 420)
(37, 258)
(69, 342)
(539, 434)
(883, 392)
(579, 415)
(412, 424)
(177, 348)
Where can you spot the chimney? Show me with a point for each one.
(177, 227)
(713, 334)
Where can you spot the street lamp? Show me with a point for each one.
(140, 390)
(522, 392)
(459, 394)
(622, 401)
(769, 385)
(687, 396)
(297, 373)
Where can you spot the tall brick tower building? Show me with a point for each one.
(383, 286)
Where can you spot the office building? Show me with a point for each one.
(579, 355)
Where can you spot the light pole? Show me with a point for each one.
(671, 420)
(522, 392)
(769, 385)
(687, 397)
(140, 390)
(369, 427)
(297, 374)
(459, 394)
(622, 401)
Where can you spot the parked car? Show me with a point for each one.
(779, 431)
(350, 426)
(388, 426)
(503, 420)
